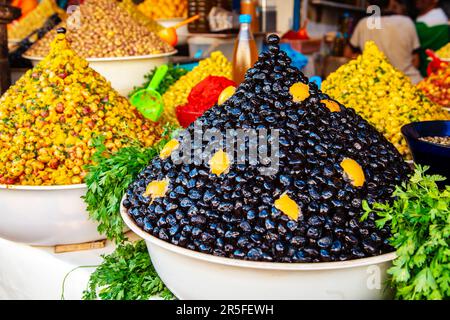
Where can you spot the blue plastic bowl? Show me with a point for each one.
(426, 153)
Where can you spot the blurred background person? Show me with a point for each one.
(432, 27)
(397, 37)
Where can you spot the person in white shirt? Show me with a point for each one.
(395, 35)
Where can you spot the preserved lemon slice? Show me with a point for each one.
(169, 148)
(219, 163)
(333, 106)
(226, 94)
(353, 171)
(288, 206)
(156, 189)
(299, 91)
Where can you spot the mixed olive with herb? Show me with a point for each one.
(50, 116)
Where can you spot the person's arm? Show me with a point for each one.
(416, 60)
(353, 49)
(351, 52)
(416, 46)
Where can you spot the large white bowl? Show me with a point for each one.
(193, 275)
(45, 216)
(124, 73)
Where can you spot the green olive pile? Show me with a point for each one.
(308, 210)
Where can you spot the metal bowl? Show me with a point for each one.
(45, 215)
(124, 73)
(193, 275)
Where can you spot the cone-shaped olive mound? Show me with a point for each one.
(51, 116)
(308, 210)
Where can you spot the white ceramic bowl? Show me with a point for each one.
(124, 73)
(46, 216)
(193, 275)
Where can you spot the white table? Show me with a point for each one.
(37, 272)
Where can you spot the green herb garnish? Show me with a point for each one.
(126, 274)
(419, 218)
(173, 74)
(108, 178)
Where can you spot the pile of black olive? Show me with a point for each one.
(233, 215)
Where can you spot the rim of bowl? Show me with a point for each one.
(252, 264)
(404, 131)
(149, 56)
(43, 188)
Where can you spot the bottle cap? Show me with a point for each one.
(245, 18)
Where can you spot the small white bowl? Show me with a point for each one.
(193, 275)
(124, 73)
(45, 215)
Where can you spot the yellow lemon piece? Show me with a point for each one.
(226, 94)
(169, 148)
(156, 189)
(219, 163)
(353, 171)
(288, 206)
(300, 91)
(333, 106)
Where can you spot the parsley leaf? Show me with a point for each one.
(126, 274)
(108, 178)
(420, 224)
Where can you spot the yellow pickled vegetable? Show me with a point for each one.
(444, 52)
(164, 9)
(381, 94)
(49, 118)
(215, 65)
(35, 19)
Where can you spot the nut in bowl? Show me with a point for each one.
(223, 278)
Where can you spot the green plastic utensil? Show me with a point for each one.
(148, 101)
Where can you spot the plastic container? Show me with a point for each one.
(245, 50)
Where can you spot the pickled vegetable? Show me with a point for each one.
(382, 95)
(437, 87)
(34, 20)
(177, 95)
(164, 9)
(106, 29)
(50, 116)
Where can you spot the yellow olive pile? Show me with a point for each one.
(105, 28)
(49, 118)
(215, 65)
(381, 94)
(35, 19)
(164, 9)
(444, 52)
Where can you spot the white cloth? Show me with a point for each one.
(397, 38)
(434, 17)
(37, 272)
